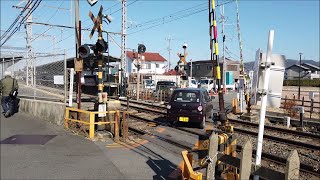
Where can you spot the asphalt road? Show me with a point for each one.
(65, 156)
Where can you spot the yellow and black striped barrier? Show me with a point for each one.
(226, 145)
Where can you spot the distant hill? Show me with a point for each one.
(249, 65)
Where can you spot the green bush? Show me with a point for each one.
(303, 82)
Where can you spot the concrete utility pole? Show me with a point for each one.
(299, 76)
(123, 63)
(30, 60)
(169, 50)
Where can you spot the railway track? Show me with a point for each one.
(306, 168)
(272, 133)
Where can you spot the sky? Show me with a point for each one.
(295, 24)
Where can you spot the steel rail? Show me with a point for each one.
(265, 156)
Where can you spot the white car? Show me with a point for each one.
(207, 84)
(149, 84)
(193, 83)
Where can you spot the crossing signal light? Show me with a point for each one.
(101, 46)
(84, 51)
(141, 49)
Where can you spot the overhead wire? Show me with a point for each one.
(48, 22)
(178, 13)
(16, 20)
(33, 8)
(184, 16)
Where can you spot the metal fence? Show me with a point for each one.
(45, 77)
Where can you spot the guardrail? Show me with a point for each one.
(92, 121)
(146, 94)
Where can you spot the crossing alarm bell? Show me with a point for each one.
(141, 48)
(92, 2)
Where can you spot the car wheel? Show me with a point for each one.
(203, 123)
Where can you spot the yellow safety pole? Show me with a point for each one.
(91, 126)
(67, 118)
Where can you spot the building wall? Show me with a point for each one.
(293, 73)
(150, 67)
(205, 70)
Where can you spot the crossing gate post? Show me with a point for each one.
(225, 144)
(212, 155)
(245, 161)
(292, 166)
(124, 131)
(116, 126)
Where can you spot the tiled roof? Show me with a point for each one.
(170, 72)
(148, 56)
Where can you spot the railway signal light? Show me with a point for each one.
(141, 48)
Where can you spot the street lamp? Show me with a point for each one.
(299, 76)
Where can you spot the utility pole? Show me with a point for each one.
(191, 68)
(78, 44)
(299, 76)
(169, 50)
(224, 59)
(242, 73)
(30, 60)
(123, 63)
(30, 56)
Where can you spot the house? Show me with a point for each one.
(313, 68)
(153, 63)
(306, 71)
(203, 68)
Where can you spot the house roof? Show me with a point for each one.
(148, 56)
(303, 67)
(170, 72)
(311, 65)
(228, 61)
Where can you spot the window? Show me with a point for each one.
(232, 68)
(133, 70)
(198, 67)
(209, 67)
(184, 96)
(206, 96)
(157, 65)
(148, 66)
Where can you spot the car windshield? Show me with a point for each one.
(149, 82)
(204, 81)
(193, 82)
(186, 96)
(166, 84)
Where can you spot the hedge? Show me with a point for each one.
(303, 82)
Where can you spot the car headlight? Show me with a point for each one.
(168, 106)
(199, 108)
(171, 89)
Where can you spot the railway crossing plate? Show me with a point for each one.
(96, 21)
